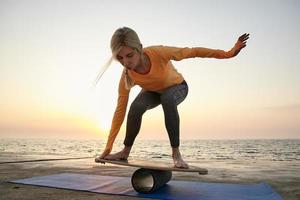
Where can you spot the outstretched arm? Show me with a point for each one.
(175, 53)
(240, 44)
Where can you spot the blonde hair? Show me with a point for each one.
(122, 37)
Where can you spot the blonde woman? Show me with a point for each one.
(151, 69)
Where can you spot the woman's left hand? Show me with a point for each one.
(241, 43)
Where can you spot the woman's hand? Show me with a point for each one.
(102, 156)
(105, 153)
(241, 43)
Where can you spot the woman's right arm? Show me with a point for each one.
(118, 117)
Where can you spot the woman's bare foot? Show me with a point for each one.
(177, 159)
(121, 155)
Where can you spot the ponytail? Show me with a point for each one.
(102, 70)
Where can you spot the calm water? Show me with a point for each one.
(192, 150)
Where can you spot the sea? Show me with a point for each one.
(272, 161)
(192, 150)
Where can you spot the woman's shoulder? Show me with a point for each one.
(161, 48)
(161, 51)
(153, 47)
(156, 49)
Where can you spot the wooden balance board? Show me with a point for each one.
(151, 175)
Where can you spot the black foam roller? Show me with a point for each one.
(149, 180)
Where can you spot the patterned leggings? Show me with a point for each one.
(146, 100)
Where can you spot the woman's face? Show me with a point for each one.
(128, 57)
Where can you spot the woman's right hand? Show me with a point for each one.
(102, 156)
(105, 153)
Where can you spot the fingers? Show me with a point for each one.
(104, 154)
(243, 38)
(242, 41)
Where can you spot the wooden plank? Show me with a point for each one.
(157, 165)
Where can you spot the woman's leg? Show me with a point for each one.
(170, 98)
(143, 102)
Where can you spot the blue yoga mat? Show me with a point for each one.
(175, 190)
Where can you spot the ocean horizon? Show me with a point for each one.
(192, 150)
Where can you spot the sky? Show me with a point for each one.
(52, 50)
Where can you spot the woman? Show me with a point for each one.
(151, 68)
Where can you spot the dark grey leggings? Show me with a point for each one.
(146, 100)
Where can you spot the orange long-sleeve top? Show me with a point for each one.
(162, 75)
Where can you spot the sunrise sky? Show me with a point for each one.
(51, 51)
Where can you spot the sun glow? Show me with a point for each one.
(50, 57)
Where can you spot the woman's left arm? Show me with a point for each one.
(240, 44)
(174, 53)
